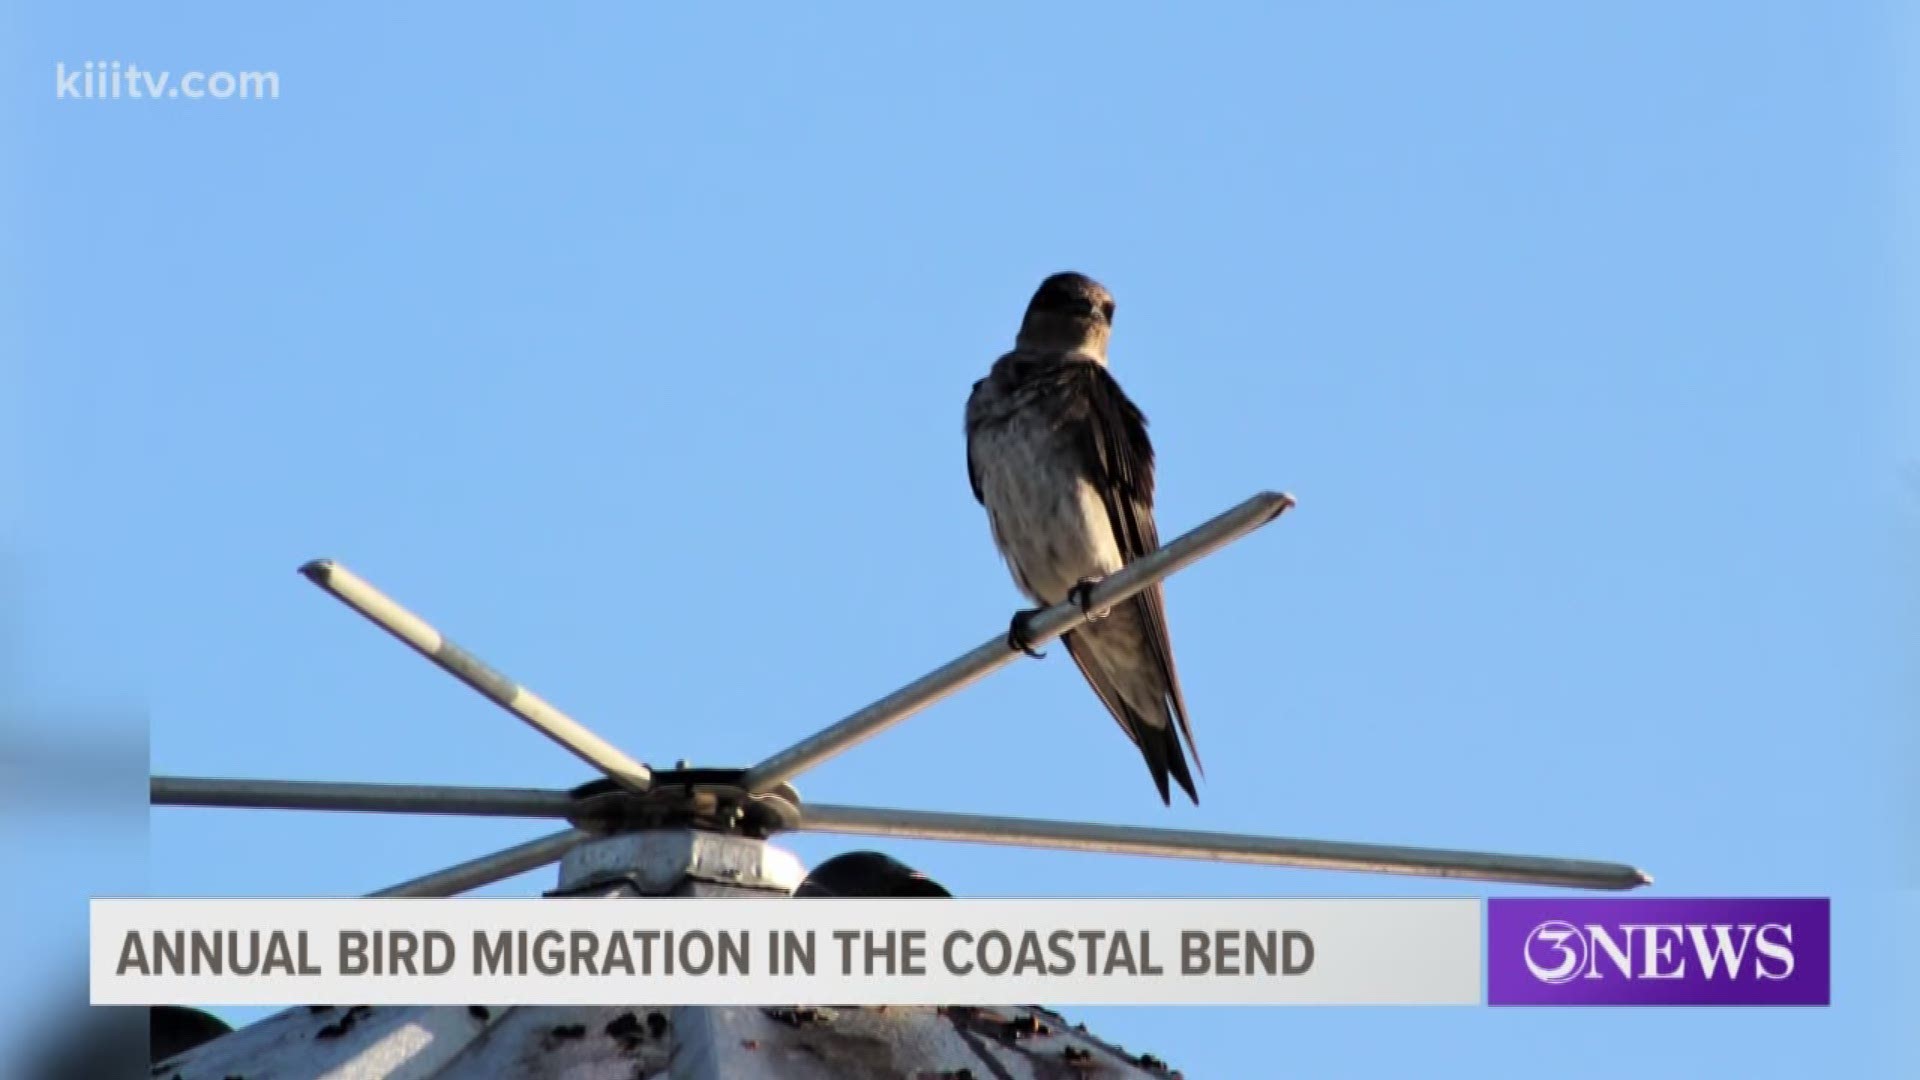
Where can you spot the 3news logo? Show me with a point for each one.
(1559, 951)
(1658, 952)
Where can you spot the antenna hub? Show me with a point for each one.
(710, 800)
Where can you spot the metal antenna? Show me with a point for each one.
(350, 589)
(1135, 577)
(488, 869)
(759, 802)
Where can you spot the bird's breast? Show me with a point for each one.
(1049, 519)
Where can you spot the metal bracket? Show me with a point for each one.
(711, 800)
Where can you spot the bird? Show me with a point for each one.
(868, 873)
(1058, 455)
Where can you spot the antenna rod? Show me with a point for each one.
(488, 869)
(1135, 577)
(364, 798)
(352, 590)
(1221, 847)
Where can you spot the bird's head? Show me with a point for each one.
(868, 873)
(1069, 313)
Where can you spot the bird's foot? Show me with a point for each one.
(1020, 637)
(1082, 596)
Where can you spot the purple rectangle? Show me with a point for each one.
(1658, 952)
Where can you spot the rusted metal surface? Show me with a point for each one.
(358, 1042)
(638, 1042)
(861, 1043)
(570, 1043)
(472, 1043)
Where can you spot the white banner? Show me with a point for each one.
(476, 951)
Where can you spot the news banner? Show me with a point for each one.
(1538, 952)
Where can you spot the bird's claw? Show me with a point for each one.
(1082, 596)
(1019, 637)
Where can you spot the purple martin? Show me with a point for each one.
(1059, 456)
(868, 873)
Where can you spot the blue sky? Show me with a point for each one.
(629, 346)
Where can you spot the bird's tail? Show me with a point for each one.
(1125, 689)
(1160, 745)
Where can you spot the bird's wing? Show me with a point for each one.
(973, 471)
(1103, 685)
(1115, 448)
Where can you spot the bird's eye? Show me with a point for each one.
(1106, 309)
